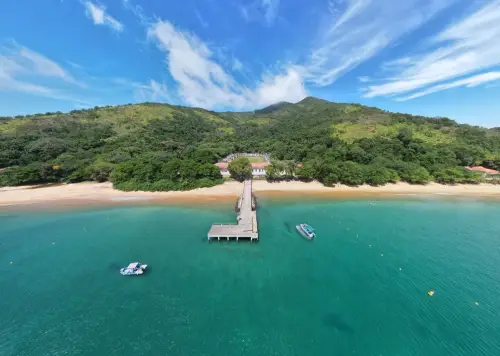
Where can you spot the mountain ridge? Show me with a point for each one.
(97, 143)
(306, 102)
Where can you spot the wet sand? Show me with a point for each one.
(103, 193)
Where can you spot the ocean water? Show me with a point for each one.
(360, 288)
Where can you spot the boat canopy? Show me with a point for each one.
(308, 228)
(133, 265)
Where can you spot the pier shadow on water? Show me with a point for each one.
(336, 321)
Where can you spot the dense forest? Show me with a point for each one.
(162, 147)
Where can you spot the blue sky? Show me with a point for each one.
(429, 57)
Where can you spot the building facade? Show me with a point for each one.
(258, 168)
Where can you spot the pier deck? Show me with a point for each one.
(246, 228)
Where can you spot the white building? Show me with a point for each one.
(258, 169)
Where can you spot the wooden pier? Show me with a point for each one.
(246, 228)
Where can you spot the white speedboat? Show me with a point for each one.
(306, 231)
(133, 269)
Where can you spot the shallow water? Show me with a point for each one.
(359, 288)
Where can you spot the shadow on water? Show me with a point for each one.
(115, 267)
(288, 226)
(335, 321)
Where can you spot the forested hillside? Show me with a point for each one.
(162, 147)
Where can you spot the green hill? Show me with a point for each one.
(165, 147)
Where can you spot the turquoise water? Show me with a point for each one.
(359, 289)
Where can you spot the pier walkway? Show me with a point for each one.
(246, 228)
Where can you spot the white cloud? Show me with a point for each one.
(154, 91)
(137, 10)
(42, 66)
(270, 10)
(237, 66)
(468, 82)
(23, 70)
(260, 10)
(203, 82)
(200, 18)
(244, 13)
(150, 91)
(97, 13)
(364, 79)
(357, 30)
(288, 86)
(466, 47)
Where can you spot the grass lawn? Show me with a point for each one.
(256, 159)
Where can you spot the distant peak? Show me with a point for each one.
(312, 99)
(273, 107)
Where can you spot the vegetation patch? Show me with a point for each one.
(154, 146)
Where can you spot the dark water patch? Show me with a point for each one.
(115, 267)
(336, 321)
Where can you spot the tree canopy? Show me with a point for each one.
(163, 147)
(240, 169)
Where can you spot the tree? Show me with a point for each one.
(357, 154)
(171, 169)
(123, 172)
(455, 175)
(240, 169)
(20, 175)
(351, 173)
(331, 179)
(208, 171)
(414, 174)
(46, 148)
(289, 168)
(272, 173)
(205, 156)
(100, 171)
(305, 173)
(405, 135)
(378, 175)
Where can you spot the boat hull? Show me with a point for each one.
(133, 271)
(304, 234)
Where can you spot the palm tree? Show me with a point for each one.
(289, 169)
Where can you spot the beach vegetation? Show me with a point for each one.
(162, 147)
(413, 173)
(377, 175)
(305, 173)
(176, 174)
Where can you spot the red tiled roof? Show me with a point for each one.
(222, 165)
(482, 170)
(260, 165)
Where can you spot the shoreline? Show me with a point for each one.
(98, 194)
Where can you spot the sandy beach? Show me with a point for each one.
(102, 193)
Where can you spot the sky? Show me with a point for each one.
(438, 58)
